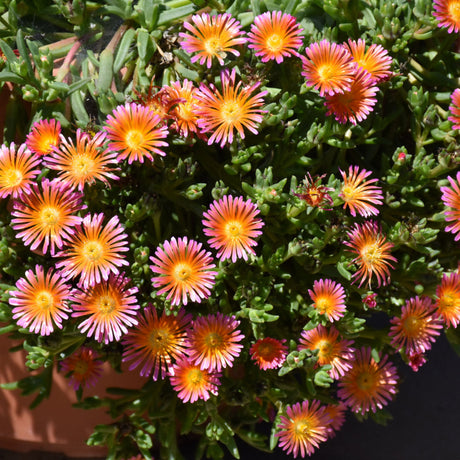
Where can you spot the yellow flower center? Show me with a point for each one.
(81, 367)
(12, 177)
(45, 144)
(182, 272)
(49, 216)
(44, 300)
(371, 254)
(274, 42)
(325, 348)
(448, 301)
(213, 45)
(301, 428)
(325, 72)
(134, 139)
(323, 304)
(213, 340)
(82, 165)
(159, 339)
(233, 229)
(453, 7)
(412, 326)
(93, 251)
(230, 111)
(348, 193)
(195, 376)
(106, 304)
(365, 381)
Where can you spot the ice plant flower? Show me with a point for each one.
(40, 301)
(369, 384)
(157, 100)
(235, 108)
(191, 382)
(135, 132)
(356, 103)
(184, 271)
(214, 341)
(328, 298)
(375, 60)
(275, 35)
(372, 253)
(451, 198)
(303, 428)
(455, 107)
(269, 353)
(447, 12)
(359, 194)
(232, 225)
(183, 105)
(18, 170)
(331, 349)
(212, 37)
(314, 194)
(328, 67)
(416, 360)
(84, 161)
(156, 342)
(417, 327)
(336, 413)
(46, 216)
(84, 367)
(94, 251)
(110, 307)
(447, 301)
(43, 136)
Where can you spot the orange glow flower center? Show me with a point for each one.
(195, 376)
(213, 340)
(230, 111)
(365, 381)
(325, 72)
(323, 304)
(325, 347)
(301, 428)
(81, 367)
(213, 46)
(106, 304)
(82, 165)
(93, 251)
(12, 177)
(233, 229)
(348, 193)
(454, 10)
(182, 272)
(412, 326)
(371, 253)
(275, 42)
(134, 138)
(46, 142)
(49, 216)
(44, 300)
(448, 301)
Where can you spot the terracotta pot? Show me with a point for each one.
(54, 425)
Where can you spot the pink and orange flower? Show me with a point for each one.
(269, 353)
(43, 136)
(451, 199)
(328, 298)
(447, 12)
(84, 368)
(454, 108)
(447, 301)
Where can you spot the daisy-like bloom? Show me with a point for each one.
(93, 251)
(233, 109)
(185, 270)
(328, 67)
(43, 136)
(84, 367)
(368, 385)
(356, 103)
(212, 37)
(417, 327)
(448, 299)
(275, 35)
(447, 12)
(359, 194)
(156, 342)
(375, 60)
(303, 428)
(83, 162)
(372, 253)
(40, 301)
(183, 113)
(269, 353)
(134, 131)
(110, 306)
(232, 225)
(331, 349)
(314, 194)
(157, 100)
(455, 107)
(214, 341)
(47, 217)
(17, 173)
(329, 298)
(336, 413)
(451, 198)
(193, 383)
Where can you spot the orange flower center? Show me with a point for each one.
(366, 381)
(93, 251)
(182, 272)
(49, 216)
(412, 326)
(325, 348)
(323, 304)
(82, 165)
(213, 340)
(106, 304)
(230, 111)
(213, 46)
(371, 254)
(275, 42)
(265, 350)
(160, 340)
(134, 139)
(81, 367)
(453, 7)
(12, 177)
(448, 301)
(44, 300)
(325, 72)
(45, 143)
(233, 229)
(195, 376)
